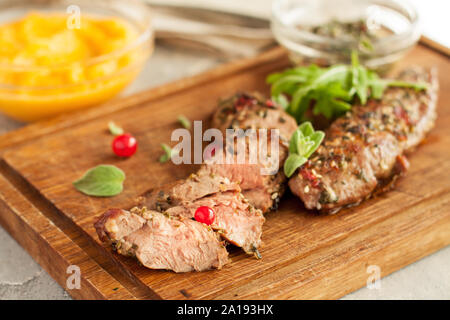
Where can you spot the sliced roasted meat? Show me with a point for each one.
(181, 192)
(363, 152)
(236, 220)
(160, 242)
(244, 111)
(261, 188)
(115, 224)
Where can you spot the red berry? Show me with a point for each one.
(270, 103)
(124, 145)
(205, 215)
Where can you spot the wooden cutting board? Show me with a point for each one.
(305, 255)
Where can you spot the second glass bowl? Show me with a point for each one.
(325, 32)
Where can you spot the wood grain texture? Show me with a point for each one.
(305, 255)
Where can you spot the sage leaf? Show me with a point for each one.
(114, 129)
(101, 181)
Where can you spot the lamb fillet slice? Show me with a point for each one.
(244, 111)
(159, 242)
(236, 220)
(363, 152)
(262, 189)
(181, 192)
(115, 224)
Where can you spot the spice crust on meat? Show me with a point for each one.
(363, 152)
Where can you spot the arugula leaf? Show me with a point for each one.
(101, 181)
(359, 79)
(304, 141)
(329, 91)
(281, 100)
(115, 129)
(168, 153)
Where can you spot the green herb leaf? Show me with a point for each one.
(168, 153)
(292, 163)
(295, 140)
(306, 128)
(101, 181)
(184, 121)
(115, 129)
(304, 141)
(330, 91)
(281, 100)
(366, 43)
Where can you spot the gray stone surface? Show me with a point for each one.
(428, 278)
(22, 278)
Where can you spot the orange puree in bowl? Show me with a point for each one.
(48, 65)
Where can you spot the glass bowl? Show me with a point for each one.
(104, 75)
(325, 32)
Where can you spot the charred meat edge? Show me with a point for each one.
(364, 151)
(159, 242)
(237, 221)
